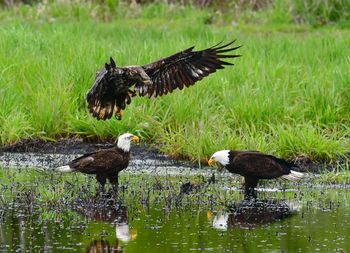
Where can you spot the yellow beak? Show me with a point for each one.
(210, 215)
(135, 138)
(211, 162)
(133, 234)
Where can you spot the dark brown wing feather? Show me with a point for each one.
(101, 161)
(101, 97)
(261, 165)
(185, 68)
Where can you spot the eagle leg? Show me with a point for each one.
(102, 180)
(250, 183)
(113, 179)
(119, 114)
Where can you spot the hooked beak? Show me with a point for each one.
(210, 215)
(133, 234)
(135, 139)
(211, 162)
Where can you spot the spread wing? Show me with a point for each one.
(184, 69)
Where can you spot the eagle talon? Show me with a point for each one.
(132, 93)
(119, 115)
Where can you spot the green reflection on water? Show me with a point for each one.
(150, 220)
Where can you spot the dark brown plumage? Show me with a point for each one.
(111, 91)
(253, 165)
(104, 163)
(103, 246)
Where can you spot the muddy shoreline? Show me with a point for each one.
(77, 146)
(72, 146)
(51, 154)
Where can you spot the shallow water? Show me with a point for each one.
(42, 211)
(317, 226)
(158, 164)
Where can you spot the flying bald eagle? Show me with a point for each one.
(104, 163)
(253, 166)
(112, 91)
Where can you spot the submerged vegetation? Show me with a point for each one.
(45, 210)
(56, 192)
(288, 95)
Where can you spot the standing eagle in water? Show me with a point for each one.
(253, 166)
(104, 163)
(112, 91)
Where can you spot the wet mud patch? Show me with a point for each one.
(71, 146)
(50, 154)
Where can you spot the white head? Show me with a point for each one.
(220, 221)
(124, 141)
(124, 233)
(222, 157)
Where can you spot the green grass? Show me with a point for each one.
(288, 95)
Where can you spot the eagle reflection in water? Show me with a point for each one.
(103, 246)
(249, 214)
(116, 214)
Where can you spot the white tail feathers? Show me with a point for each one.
(294, 175)
(65, 168)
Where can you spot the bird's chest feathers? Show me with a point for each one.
(234, 168)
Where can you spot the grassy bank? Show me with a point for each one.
(289, 94)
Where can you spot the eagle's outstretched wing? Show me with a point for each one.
(184, 69)
(110, 93)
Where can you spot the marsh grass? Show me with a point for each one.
(53, 194)
(288, 95)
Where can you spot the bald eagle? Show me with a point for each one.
(112, 91)
(104, 163)
(253, 165)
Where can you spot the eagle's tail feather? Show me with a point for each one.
(64, 169)
(294, 175)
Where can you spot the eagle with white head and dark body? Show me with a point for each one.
(112, 89)
(104, 163)
(253, 165)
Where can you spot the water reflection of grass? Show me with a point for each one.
(53, 194)
(42, 200)
(287, 95)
